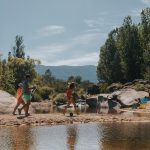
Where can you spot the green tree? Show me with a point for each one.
(76, 79)
(0, 66)
(129, 49)
(109, 68)
(7, 78)
(47, 77)
(18, 64)
(144, 31)
(18, 49)
(20, 67)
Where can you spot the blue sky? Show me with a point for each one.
(63, 32)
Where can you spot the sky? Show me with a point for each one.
(63, 32)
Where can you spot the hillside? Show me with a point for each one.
(63, 72)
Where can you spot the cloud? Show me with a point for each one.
(82, 49)
(85, 39)
(89, 58)
(47, 53)
(146, 2)
(55, 58)
(75, 51)
(51, 30)
(94, 23)
(103, 23)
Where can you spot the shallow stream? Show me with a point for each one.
(104, 136)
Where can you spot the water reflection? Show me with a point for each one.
(82, 108)
(16, 138)
(108, 136)
(72, 135)
(125, 136)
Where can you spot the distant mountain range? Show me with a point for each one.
(87, 72)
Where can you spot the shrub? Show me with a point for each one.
(45, 92)
(36, 97)
(60, 98)
(103, 87)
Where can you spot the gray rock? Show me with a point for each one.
(7, 102)
(128, 96)
(114, 86)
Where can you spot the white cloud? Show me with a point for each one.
(51, 30)
(102, 24)
(47, 53)
(146, 2)
(94, 23)
(85, 39)
(76, 51)
(89, 58)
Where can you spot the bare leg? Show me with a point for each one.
(66, 107)
(20, 109)
(17, 105)
(75, 107)
(27, 109)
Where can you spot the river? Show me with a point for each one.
(104, 136)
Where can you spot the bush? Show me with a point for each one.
(36, 97)
(103, 87)
(81, 91)
(60, 98)
(45, 92)
(94, 89)
(140, 87)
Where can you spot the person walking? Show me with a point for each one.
(19, 94)
(70, 98)
(26, 96)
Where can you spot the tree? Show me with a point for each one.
(126, 52)
(129, 50)
(18, 64)
(109, 68)
(47, 77)
(18, 49)
(77, 79)
(0, 65)
(20, 67)
(144, 31)
(7, 79)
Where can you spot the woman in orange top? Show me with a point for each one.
(70, 97)
(19, 97)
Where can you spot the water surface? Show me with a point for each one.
(105, 136)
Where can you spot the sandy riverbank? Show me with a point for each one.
(57, 119)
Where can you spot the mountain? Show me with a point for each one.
(87, 72)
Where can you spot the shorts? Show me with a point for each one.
(26, 97)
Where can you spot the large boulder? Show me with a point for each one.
(7, 102)
(128, 96)
(114, 86)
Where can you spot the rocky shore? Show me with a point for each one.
(125, 93)
(60, 119)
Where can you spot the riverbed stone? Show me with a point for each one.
(7, 102)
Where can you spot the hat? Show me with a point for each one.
(20, 85)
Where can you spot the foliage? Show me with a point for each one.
(60, 86)
(60, 98)
(7, 78)
(45, 91)
(47, 77)
(18, 49)
(94, 89)
(126, 52)
(20, 67)
(76, 79)
(36, 97)
(103, 87)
